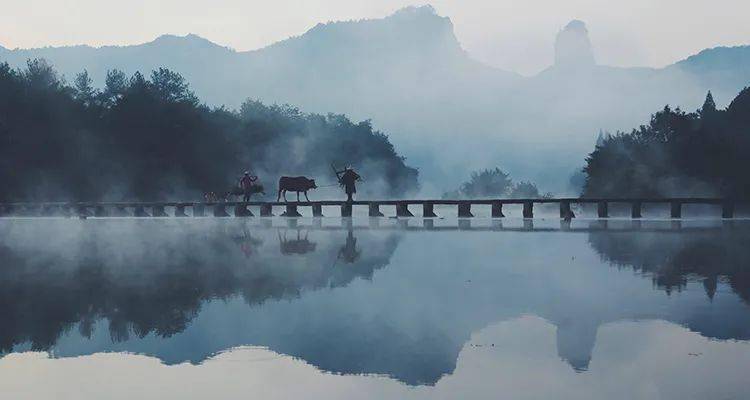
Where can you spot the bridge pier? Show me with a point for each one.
(635, 211)
(374, 210)
(179, 210)
(291, 211)
(100, 211)
(428, 223)
(241, 210)
(727, 209)
(82, 212)
(199, 210)
(428, 210)
(317, 210)
(220, 210)
(528, 209)
(464, 210)
(565, 212)
(34, 211)
(158, 211)
(67, 210)
(266, 210)
(676, 209)
(402, 210)
(603, 209)
(59, 211)
(120, 211)
(497, 210)
(140, 211)
(346, 210)
(47, 210)
(464, 224)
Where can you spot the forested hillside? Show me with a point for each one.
(151, 138)
(703, 153)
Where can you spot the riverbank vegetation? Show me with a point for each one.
(702, 153)
(494, 183)
(151, 138)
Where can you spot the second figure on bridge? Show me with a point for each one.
(246, 185)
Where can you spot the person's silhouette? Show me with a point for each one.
(347, 178)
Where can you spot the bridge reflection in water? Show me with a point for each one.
(319, 289)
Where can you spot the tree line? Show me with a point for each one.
(140, 138)
(702, 153)
(494, 183)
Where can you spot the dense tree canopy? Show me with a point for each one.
(151, 138)
(704, 153)
(493, 183)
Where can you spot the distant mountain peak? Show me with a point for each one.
(411, 32)
(573, 47)
(190, 39)
(416, 11)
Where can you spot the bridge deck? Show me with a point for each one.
(571, 200)
(219, 209)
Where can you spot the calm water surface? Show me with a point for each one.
(325, 308)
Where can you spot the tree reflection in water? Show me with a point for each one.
(152, 279)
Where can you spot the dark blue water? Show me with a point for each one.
(275, 308)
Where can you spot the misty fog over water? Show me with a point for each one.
(374, 308)
(448, 113)
(130, 269)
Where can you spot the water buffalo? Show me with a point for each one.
(295, 184)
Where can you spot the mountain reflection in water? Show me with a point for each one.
(185, 290)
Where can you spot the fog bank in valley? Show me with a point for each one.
(446, 112)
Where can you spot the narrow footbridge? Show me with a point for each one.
(403, 208)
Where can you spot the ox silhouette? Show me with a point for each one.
(295, 184)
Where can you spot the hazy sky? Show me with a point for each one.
(515, 35)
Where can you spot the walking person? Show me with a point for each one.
(347, 179)
(246, 184)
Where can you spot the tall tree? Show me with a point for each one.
(709, 106)
(84, 90)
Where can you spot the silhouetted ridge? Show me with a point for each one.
(407, 32)
(189, 40)
(717, 58)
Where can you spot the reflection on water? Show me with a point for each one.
(407, 301)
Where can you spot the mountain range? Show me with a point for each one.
(446, 111)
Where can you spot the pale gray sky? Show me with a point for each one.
(515, 35)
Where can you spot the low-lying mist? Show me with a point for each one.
(152, 139)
